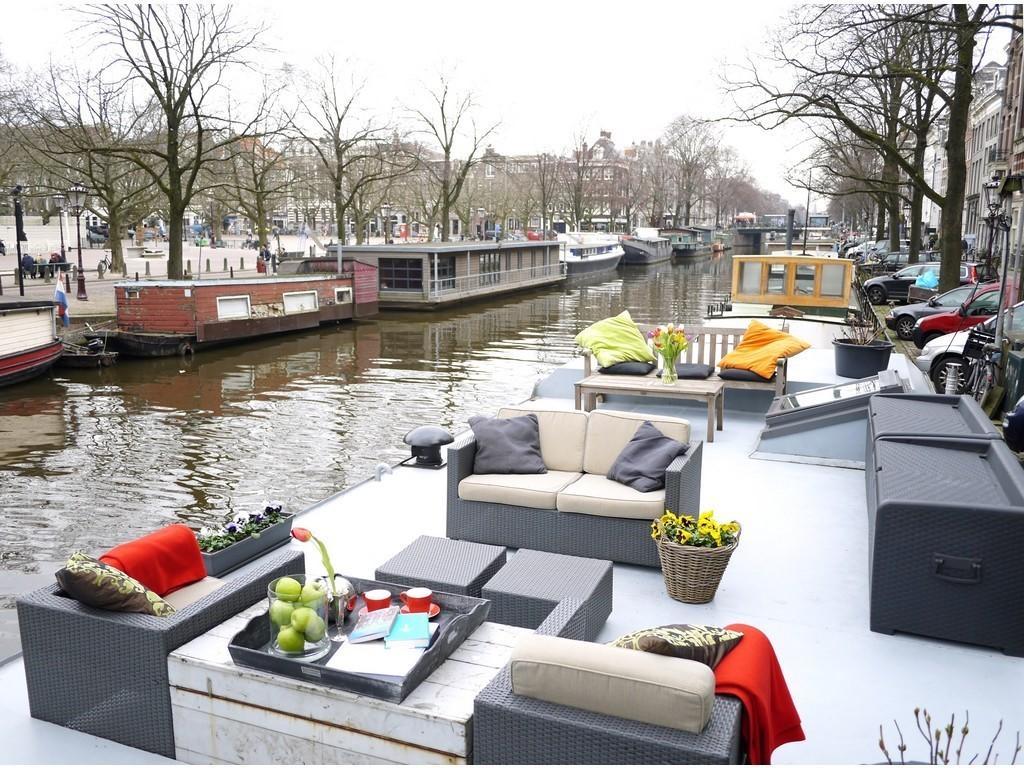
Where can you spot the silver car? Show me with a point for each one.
(943, 350)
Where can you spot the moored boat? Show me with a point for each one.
(645, 247)
(93, 355)
(589, 253)
(28, 344)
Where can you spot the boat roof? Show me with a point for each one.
(441, 247)
(20, 302)
(800, 575)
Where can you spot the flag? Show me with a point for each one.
(61, 299)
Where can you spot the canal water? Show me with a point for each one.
(92, 458)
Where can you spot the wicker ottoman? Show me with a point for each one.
(444, 565)
(526, 590)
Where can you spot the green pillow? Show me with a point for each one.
(615, 340)
(708, 645)
(99, 585)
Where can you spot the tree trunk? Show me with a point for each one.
(114, 227)
(879, 220)
(175, 216)
(956, 175)
(262, 230)
(893, 204)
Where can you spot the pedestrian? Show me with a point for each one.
(28, 266)
(3, 248)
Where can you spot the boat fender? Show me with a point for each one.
(185, 349)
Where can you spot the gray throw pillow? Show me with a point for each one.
(642, 463)
(739, 374)
(628, 368)
(507, 446)
(693, 370)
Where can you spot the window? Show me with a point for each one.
(401, 275)
(954, 298)
(832, 277)
(804, 282)
(489, 171)
(445, 273)
(490, 268)
(232, 307)
(776, 278)
(984, 305)
(342, 295)
(750, 278)
(300, 301)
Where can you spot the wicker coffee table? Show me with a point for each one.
(444, 565)
(529, 587)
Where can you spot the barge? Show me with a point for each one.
(28, 342)
(646, 247)
(586, 253)
(174, 317)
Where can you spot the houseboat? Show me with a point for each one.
(432, 275)
(589, 253)
(683, 240)
(28, 342)
(645, 247)
(173, 317)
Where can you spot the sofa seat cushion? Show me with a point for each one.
(643, 687)
(536, 491)
(609, 431)
(184, 597)
(596, 495)
(562, 434)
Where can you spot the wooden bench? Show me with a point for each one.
(709, 346)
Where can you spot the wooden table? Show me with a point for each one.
(229, 714)
(711, 391)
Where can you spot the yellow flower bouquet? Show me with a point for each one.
(694, 553)
(669, 342)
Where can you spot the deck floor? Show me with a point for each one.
(800, 575)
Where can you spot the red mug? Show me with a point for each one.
(417, 599)
(376, 599)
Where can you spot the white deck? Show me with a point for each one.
(800, 574)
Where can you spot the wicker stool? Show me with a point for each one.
(526, 590)
(444, 565)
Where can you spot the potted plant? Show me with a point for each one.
(694, 553)
(946, 743)
(243, 539)
(863, 351)
(669, 342)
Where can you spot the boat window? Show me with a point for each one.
(232, 307)
(300, 301)
(343, 295)
(750, 277)
(832, 279)
(804, 282)
(401, 275)
(776, 278)
(445, 273)
(490, 268)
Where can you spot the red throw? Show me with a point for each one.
(163, 561)
(751, 673)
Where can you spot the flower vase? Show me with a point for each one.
(668, 369)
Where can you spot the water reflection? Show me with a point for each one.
(90, 458)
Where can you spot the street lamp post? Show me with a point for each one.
(76, 199)
(59, 200)
(385, 209)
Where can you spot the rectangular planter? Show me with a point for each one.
(245, 551)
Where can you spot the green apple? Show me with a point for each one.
(301, 617)
(311, 593)
(288, 589)
(281, 613)
(315, 629)
(290, 641)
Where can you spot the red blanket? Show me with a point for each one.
(163, 561)
(751, 673)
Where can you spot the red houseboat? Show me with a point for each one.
(156, 318)
(28, 342)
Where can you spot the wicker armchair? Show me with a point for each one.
(517, 730)
(105, 673)
(621, 540)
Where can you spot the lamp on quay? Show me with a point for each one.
(58, 201)
(76, 199)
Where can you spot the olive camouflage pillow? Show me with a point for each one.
(708, 645)
(99, 585)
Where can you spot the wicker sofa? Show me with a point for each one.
(105, 673)
(573, 509)
(517, 730)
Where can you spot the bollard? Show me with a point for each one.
(952, 378)
(46, 276)
(147, 269)
(207, 266)
(232, 273)
(188, 266)
(241, 264)
(225, 265)
(67, 281)
(136, 277)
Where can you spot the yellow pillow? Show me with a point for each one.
(760, 349)
(615, 340)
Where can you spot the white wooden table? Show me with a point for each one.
(229, 714)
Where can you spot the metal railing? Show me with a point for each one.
(485, 280)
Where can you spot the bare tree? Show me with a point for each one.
(575, 174)
(444, 120)
(691, 146)
(546, 173)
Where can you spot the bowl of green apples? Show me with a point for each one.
(298, 617)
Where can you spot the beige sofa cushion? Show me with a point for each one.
(597, 495)
(675, 693)
(561, 436)
(537, 491)
(609, 431)
(191, 593)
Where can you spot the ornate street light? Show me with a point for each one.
(385, 210)
(58, 201)
(76, 199)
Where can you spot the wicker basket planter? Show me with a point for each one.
(692, 574)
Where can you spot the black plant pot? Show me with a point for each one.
(858, 361)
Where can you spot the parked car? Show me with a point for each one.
(903, 319)
(942, 350)
(894, 287)
(974, 310)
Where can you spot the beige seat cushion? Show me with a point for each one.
(597, 495)
(609, 431)
(191, 593)
(646, 687)
(561, 436)
(537, 491)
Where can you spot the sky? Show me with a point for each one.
(543, 70)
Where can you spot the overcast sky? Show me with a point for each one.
(544, 69)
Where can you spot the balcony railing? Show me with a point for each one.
(484, 280)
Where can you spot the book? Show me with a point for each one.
(374, 625)
(374, 659)
(410, 630)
